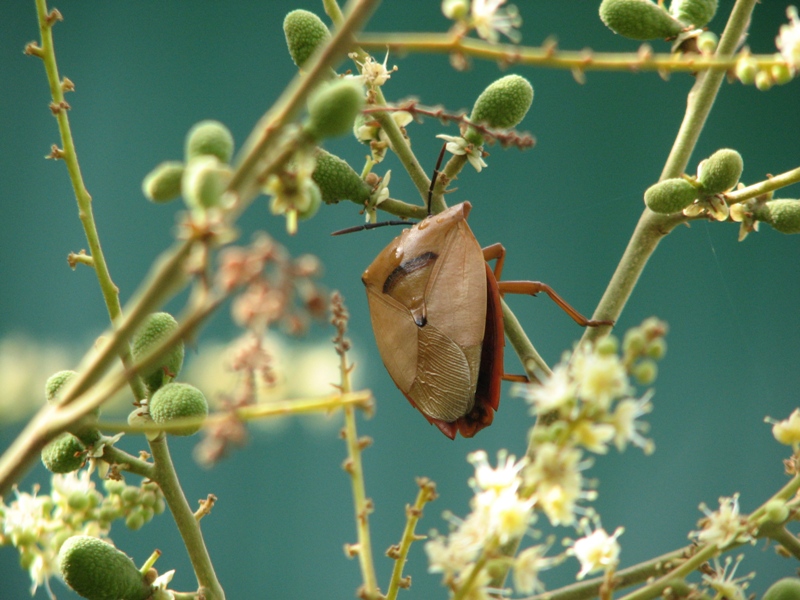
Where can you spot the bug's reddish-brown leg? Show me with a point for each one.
(498, 252)
(534, 287)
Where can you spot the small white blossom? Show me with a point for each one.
(375, 74)
(447, 558)
(724, 526)
(600, 378)
(725, 584)
(461, 147)
(505, 476)
(788, 40)
(160, 586)
(627, 428)
(597, 551)
(788, 431)
(508, 516)
(593, 436)
(555, 477)
(24, 519)
(379, 194)
(490, 21)
(557, 392)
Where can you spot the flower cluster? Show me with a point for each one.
(500, 513)
(37, 525)
(724, 526)
(486, 17)
(788, 40)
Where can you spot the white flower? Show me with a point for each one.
(557, 392)
(725, 584)
(24, 519)
(461, 147)
(626, 428)
(788, 431)
(788, 40)
(490, 21)
(593, 436)
(724, 526)
(445, 556)
(375, 74)
(505, 476)
(597, 551)
(508, 516)
(160, 586)
(556, 480)
(526, 569)
(73, 485)
(713, 206)
(379, 194)
(601, 378)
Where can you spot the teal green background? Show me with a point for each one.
(146, 71)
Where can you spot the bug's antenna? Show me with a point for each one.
(435, 176)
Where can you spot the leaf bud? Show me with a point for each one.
(64, 454)
(156, 328)
(337, 180)
(639, 19)
(98, 571)
(782, 215)
(305, 32)
(720, 172)
(746, 69)
(696, 13)
(178, 401)
(787, 588)
(163, 183)
(209, 138)
(502, 105)
(670, 195)
(333, 109)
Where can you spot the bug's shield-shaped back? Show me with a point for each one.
(427, 299)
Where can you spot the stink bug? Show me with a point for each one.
(436, 313)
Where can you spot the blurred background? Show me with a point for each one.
(146, 71)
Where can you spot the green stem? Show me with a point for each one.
(786, 539)
(548, 55)
(653, 227)
(188, 525)
(764, 187)
(534, 365)
(655, 589)
(128, 462)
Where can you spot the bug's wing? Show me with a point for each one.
(396, 337)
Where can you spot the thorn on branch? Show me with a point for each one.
(53, 16)
(56, 153)
(33, 49)
(67, 85)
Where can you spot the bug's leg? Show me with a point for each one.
(495, 252)
(534, 287)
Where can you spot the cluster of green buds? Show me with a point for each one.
(749, 72)
(700, 195)
(202, 177)
(646, 20)
(136, 504)
(168, 401)
(642, 348)
(502, 105)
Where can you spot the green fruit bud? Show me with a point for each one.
(634, 342)
(154, 330)
(707, 42)
(333, 109)
(98, 571)
(134, 521)
(776, 511)
(607, 346)
(163, 183)
(178, 401)
(670, 196)
(696, 13)
(337, 180)
(203, 182)
(645, 371)
(656, 349)
(502, 105)
(209, 138)
(64, 454)
(305, 32)
(130, 495)
(763, 81)
(781, 74)
(639, 19)
(782, 215)
(55, 382)
(746, 69)
(720, 172)
(455, 9)
(787, 588)
(114, 487)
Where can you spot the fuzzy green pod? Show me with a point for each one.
(670, 195)
(209, 137)
(502, 105)
(64, 454)
(178, 401)
(696, 13)
(163, 183)
(787, 588)
(305, 32)
(154, 330)
(782, 215)
(639, 19)
(337, 180)
(720, 172)
(203, 182)
(333, 109)
(55, 382)
(98, 571)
